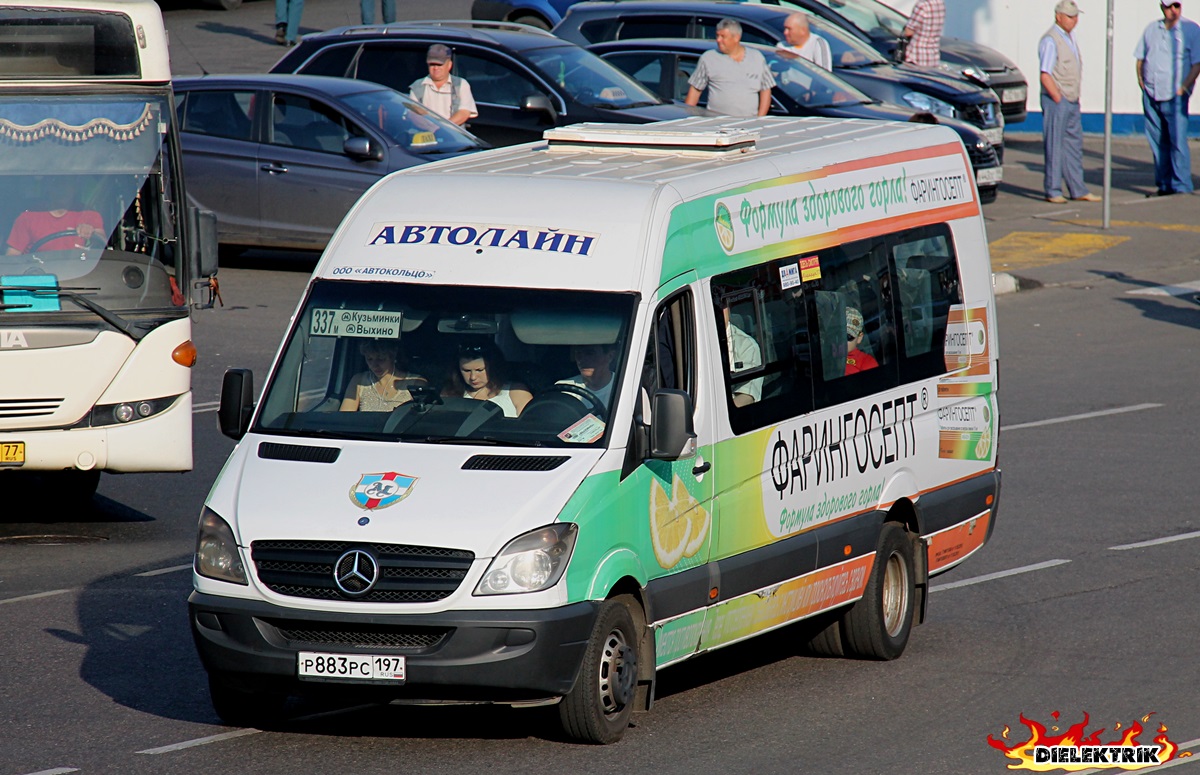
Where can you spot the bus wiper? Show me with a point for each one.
(485, 441)
(113, 319)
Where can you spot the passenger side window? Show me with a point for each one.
(851, 305)
(762, 325)
(653, 27)
(334, 61)
(494, 82)
(393, 66)
(219, 114)
(670, 356)
(706, 29)
(927, 285)
(300, 122)
(686, 65)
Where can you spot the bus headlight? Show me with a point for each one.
(217, 555)
(531, 562)
(119, 414)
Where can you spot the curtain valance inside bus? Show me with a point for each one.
(74, 135)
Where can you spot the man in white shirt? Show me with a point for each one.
(447, 95)
(594, 362)
(801, 42)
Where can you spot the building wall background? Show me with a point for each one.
(1014, 28)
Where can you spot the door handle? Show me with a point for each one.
(702, 468)
(274, 168)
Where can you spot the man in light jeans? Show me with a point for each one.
(1168, 61)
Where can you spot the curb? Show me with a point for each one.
(1003, 282)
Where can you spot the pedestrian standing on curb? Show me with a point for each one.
(1168, 61)
(287, 21)
(1062, 127)
(387, 6)
(738, 80)
(924, 33)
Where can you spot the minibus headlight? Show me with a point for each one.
(531, 562)
(217, 555)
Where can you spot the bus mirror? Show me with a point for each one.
(237, 402)
(672, 435)
(203, 248)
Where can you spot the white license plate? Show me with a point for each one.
(316, 666)
(986, 177)
(1013, 95)
(995, 135)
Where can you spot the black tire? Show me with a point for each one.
(878, 625)
(598, 709)
(532, 21)
(243, 705)
(828, 641)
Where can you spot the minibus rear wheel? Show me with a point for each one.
(598, 709)
(878, 625)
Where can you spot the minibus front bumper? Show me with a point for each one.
(498, 656)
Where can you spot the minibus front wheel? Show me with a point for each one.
(597, 710)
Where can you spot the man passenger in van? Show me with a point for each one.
(738, 80)
(447, 95)
(744, 355)
(856, 359)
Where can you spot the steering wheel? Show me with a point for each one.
(91, 241)
(590, 399)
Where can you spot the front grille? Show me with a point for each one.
(299, 634)
(984, 158)
(28, 407)
(514, 462)
(407, 574)
(273, 451)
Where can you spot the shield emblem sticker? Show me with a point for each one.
(378, 491)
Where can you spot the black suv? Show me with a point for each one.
(883, 27)
(856, 62)
(524, 80)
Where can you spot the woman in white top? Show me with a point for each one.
(384, 385)
(481, 377)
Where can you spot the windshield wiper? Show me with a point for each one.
(486, 441)
(112, 318)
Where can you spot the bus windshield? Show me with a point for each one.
(86, 211)
(450, 365)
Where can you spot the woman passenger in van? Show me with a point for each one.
(385, 384)
(480, 376)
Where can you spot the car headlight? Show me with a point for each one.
(217, 555)
(531, 562)
(929, 104)
(975, 74)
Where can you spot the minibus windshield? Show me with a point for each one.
(450, 365)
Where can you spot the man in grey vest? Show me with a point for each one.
(1062, 128)
(447, 95)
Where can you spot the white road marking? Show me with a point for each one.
(56, 771)
(1156, 541)
(999, 575)
(36, 596)
(1173, 763)
(201, 741)
(1168, 290)
(207, 406)
(161, 571)
(1084, 416)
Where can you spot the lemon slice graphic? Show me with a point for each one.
(669, 528)
(984, 444)
(698, 518)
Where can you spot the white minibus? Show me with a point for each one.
(552, 418)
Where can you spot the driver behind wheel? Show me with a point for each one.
(594, 362)
(55, 216)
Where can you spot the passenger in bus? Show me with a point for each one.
(594, 362)
(856, 359)
(57, 229)
(744, 355)
(481, 376)
(385, 384)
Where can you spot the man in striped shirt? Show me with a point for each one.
(924, 33)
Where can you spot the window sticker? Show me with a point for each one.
(810, 268)
(585, 431)
(789, 276)
(371, 324)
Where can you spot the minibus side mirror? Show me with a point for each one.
(540, 103)
(203, 243)
(237, 402)
(672, 433)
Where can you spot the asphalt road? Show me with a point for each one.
(1085, 601)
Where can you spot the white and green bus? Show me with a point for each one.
(552, 418)
(102, 260)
